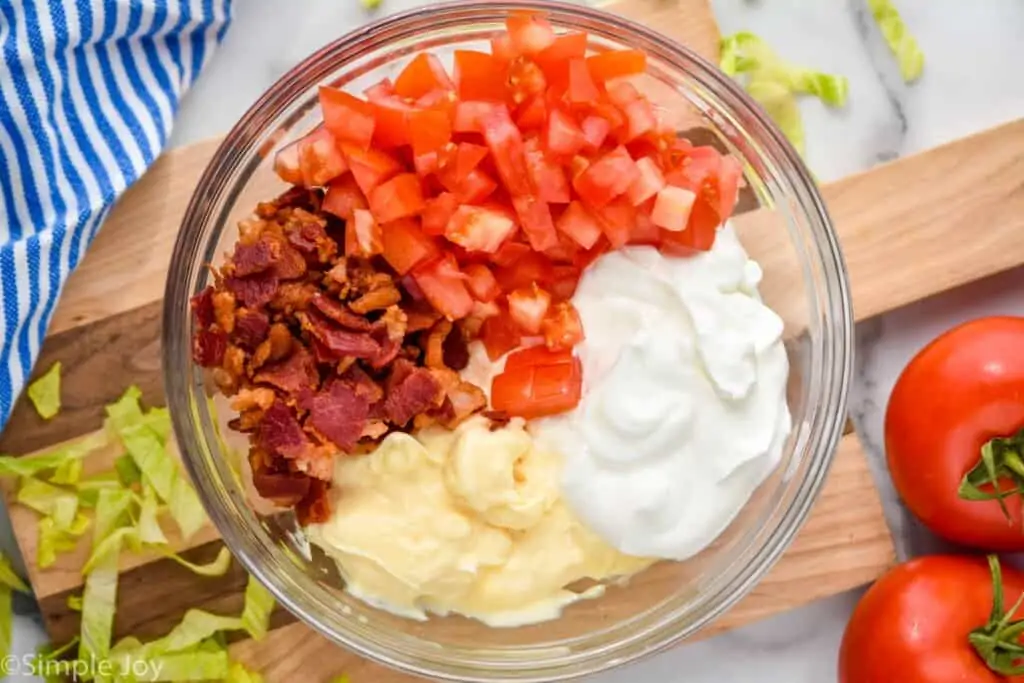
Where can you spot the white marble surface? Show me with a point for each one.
(970, 83)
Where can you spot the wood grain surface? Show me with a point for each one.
(106, 332)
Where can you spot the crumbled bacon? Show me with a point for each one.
(322, 353)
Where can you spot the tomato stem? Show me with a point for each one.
(998, 641)
(1000, 460)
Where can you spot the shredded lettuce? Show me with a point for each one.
(774, 83)
(32, 465)
(127, 471)
(9, 582)
(53, 541)
(149, 522)
(74, 603)
(9, 578)
(89, 488)
(218, 567)
(49, 500)
(259, 603)
(343, 678)
(238, 673)
(908, 55)
(68, 472)
(45, 392)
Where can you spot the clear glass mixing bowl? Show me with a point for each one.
(788, 233)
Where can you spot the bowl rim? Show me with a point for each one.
(243, 542)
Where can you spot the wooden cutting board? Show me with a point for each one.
(909, 229)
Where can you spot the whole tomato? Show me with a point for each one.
(915, 625)
(959, 393)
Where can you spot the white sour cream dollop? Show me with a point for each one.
(684, 410)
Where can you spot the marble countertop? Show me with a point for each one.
(968, 47)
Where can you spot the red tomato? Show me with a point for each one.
(526, 270)
(437, 211)
(618, 221)
(564, 279)
(502, 48)
(538, 390)
(510, 253)
(644, 230)
(444, 287)
(580, 225)
(481, 282)
(499, 336)
(607, 178)
(467, 157)
(363, 235)
(391, 121)
(914, 624)
(535, 218)
(470, 116)
(622, 93)
(399, 197)
(370, 167)
(562, 327)
(672, 208)
(694, 165)
(582, 89)
(505, 143)
(595, 130)
(349, 118)
(320, 159)
(428, 130)
(532, 114)
(537, 355)
(474, 188)
(525, 80)
(962, 390)
(476, 228)
(405, 245)
(527, 307)
(649, 182)
(547, 176)
(479, 76)
(286, 164)
(554, 59)
(422, 75)
(343, 196)
(640, 119)
(529, 32)
(616, 63)
(564, 136)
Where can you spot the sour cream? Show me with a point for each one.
(684, 411)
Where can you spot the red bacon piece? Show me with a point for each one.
(293, 374)
(253, 291)
(279, 432)
(340, 414)
(208, 347)
(418, 392)
(250, 259)
(251, 328)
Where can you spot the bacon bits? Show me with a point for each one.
(322, 354)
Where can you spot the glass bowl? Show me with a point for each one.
(788, 232)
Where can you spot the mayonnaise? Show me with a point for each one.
(684, 410)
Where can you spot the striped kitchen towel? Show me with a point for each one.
(88, 91)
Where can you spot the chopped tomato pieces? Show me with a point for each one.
(607, 178)
(548, 177)
(525, 80)
(564, 136)
(562, 327)
(672, 208)
(370, 167)
(479, 76)
(437, 211)
(422, 75)
(499, 336)
(363, 235)
(535, 218)
(533, 391)
(528, 269)
(618, 221)
(595, 130)
(532, 114)
(397, 198)
(505, 143)
(648, 183)
(537, 355)
(428, 130)
(530, 33)
(405, 245)
(320, 160)
(581, 89)
(477, 228)
(616, 64)
(580, 225)
(349, 118)
(470, 115)
(286, 164)
(343, 196)
(444, 287)
(481, 282)
(527, 307)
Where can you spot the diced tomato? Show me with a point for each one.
(472, 189)
(481, 282)
(529, 269)
(405, 245)
(343, 197)
(564, 280)
(428, 130)
(509, 253)
(527, 307)
(422, 75)
(580, 225)
(320, 159)
(502, 47)
(437, 211)
(729, 184)
(532, 114)
(538, 391)
(349, 118)
(582, 88)
(381, 90)
(470, 115)
(640, 118)
(693, 166)
(535, 219)
(672, 208)
(616, 63)
(476, 228)
(610, 113)
(618, 221)
(595, 130)
(644, 229)
(479, 76)
(286, 164)
(623, 93)
(562, 327)
(648, 183)
(587, 257)
(370, 167)
(607, 178)
(444, 286)
(499, 336)
(525, 80)
(548, 177)
(530, 33)
(563, 252)
(506, 145)
(554, 59)
(391, 122)
(563, 135)
(466, 158)
(540, 354)
(363, 235)
(400, 197)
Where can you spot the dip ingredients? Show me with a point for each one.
(684, 409)
(45, 392)
(901, 42)
(468, 521)
(935, 620)
(953, 431)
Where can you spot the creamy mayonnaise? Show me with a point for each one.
(684, 410)
(469, 521)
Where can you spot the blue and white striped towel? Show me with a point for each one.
(88, 91)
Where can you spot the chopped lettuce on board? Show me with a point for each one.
(774, 83)
(44, 393)
(9, 582)
(908, 55)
